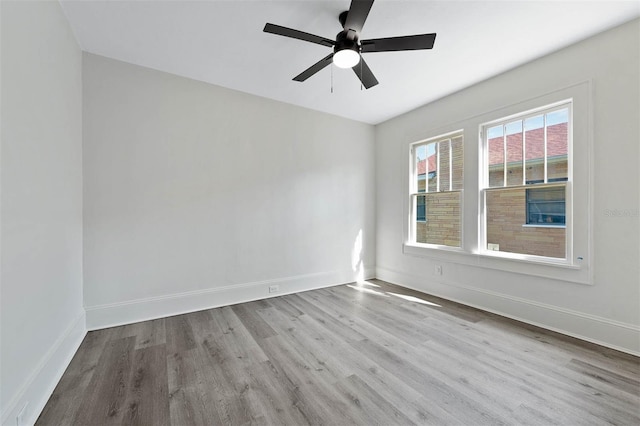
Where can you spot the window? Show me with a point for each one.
(421, 212)
(436, 188)
(525, 175)
(546, 206)
(529, 208)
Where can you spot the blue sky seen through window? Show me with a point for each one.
(532, 123)
(424, 151)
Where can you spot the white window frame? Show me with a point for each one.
(485, 188)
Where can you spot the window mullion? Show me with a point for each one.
(437, 167)
(413, 176)
(544, 120)
(426, 170)
(450, 165)
(524, 154)
(504, 155)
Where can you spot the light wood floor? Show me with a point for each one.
(378, 354)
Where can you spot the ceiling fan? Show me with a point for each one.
(348, 48)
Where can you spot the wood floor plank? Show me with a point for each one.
(566, 396)
(179, 334)
(70, 391)
(273, 398)
(202, 325)
(233, 334)
(527, 415)
(618, 381)
(148, 397)
(477, 381)
(372, 407)
(389, 385)
(371, 353)
(366, 322)
(258, 328)
(310, 397)
(399, 322)
(446, 307)
(466, 411)
(394, 389)
(228, 384)
(312, 346)
(337, 324)
(104, 401)
(283, 304)
(191, 390)
(147, 333)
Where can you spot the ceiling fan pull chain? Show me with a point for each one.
(332, 78)
(360, 71)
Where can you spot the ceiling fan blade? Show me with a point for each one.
(300, 35)
(314, 68)
(364, 73)
(393, 44)
(358, 12)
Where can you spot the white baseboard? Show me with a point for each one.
(39, 386)
(115, 314)
(602, 331)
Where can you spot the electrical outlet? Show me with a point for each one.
(21, 415)
(274, 288)
(438, 270)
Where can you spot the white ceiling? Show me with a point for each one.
(221, 42)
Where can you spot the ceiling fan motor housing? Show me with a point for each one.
(343, 42)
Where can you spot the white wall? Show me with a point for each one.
(608, 311)
(41, 314)
(199, 196)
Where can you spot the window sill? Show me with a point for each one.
(530, 259)
(546, 267)
(436, 247)
(532, 225)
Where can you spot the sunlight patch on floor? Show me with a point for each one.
(367, 290)
(363, 287)
(367, 283)
(414, 299)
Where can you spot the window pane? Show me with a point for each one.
(534, 146)
(444, 156)
(506, 215)
(421, 167)
(457, 162)
(442, 225)
(432, 167)
(514, 153)
(546, 206)
(496, 156)
(420, 204)
(557, 145)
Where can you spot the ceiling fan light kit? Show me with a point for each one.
(346, 58)
(348, 48)
(346, 54)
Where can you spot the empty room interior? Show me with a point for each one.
(207, 218)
